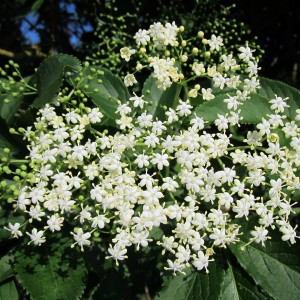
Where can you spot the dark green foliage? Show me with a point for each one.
(53, 273)
(50, 77)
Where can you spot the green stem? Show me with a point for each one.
(19, 161)
(176, 98)
(220, 162)
(244, 147)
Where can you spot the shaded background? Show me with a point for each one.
(32, 30)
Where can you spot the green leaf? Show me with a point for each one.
(255, 108)
(50, 77)
(6, 269)
(159, 98)
(8, 291)
(36, 5)
(55, 273)
(156, 233)
(270, 88)
(8, 110)
(209, 110)
(275, 267)
(104, 90)
(6, 144)
(252, 111)
(194, 285)
(236, 286)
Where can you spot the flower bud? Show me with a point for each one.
(184, 58)
(200, 34)
(195, 51)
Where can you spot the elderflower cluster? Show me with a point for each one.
(175, 175)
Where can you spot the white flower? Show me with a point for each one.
(260, 234)
(129, 80)
(123, 109)
(219, 236)
(246, 53)
(140, 238)
(99, 221)
(124, 122)
(168, 243)
(79, 152)
(60, 134)
(215, 42)
(151, 140)
(175, 266)
(207, 94)
(163, 35)
(117, 253)
(197, 123)
(55, 223)
(14, 229)
(145, 120)
(142, 160)
(160, 160)
(36, 213)
(183, 254)
(219, 81)
(137, 101)
(242, 208)
(169, 184)
(232, 102)
(221, 122)
(142, 37)
(198, 68)
(201, 261)
(289, 233)
(126, 53)
(184, 108)
(228, 61)
(81, 238)
(252, 68)
(172, 115)
(36, 237)
(158, 127)
(72, 117)
(278, 104)
(45, 172)
(250, 85)
(49, 155)
(146, 180)
(95, 115)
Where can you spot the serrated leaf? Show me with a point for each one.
(194, 285)
(8, 291)
(252, 111)
(6, 269)
(57, 273)
(159, 98)
(270, 88)
(275, 267)
(105, 93)
(50, 77)
(235, 286)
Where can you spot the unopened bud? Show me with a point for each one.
(200, 34)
